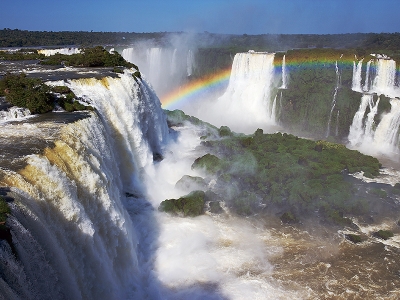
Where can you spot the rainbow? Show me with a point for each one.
(195, 89)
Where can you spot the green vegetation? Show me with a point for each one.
(383, 234)
(289, 218)
(355, 238)
(215, 207)
(210, 163)
(284, 172)
(191, 205)
(4, 211)
(89, 57)
(38, 97)
(23, 91)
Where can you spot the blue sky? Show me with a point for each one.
(217, 16)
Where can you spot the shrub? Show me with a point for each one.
(191, 205)
(383, 234)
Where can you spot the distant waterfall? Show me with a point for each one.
(164, 68)
(190, 63)
(380, 79)
(356, 85)
(367, 135)
(386, 136)
(367, 77)
(328, 131)
(385, 79)
(357, 127)
(284, 75)
(65, 51)
(79, 213)
(247, 102)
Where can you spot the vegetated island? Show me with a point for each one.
(281, 174)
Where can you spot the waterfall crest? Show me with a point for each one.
(78, 209)
(247, 103)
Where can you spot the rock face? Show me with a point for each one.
(191, 205)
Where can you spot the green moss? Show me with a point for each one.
(379, 192)
(355, 238)
(4, 210)
(208, 162)
(224, 131)
(61, 89)
(191, 205)
(383, 234)
(215, 207)
(288, 218)
(30, 93)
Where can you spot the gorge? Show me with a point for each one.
(84, 188)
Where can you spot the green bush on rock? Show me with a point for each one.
(191, 205)
(383, 234)
(30, 93)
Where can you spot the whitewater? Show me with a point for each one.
(84, 218)
(85, 221)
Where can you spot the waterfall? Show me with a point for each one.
(356, 83)
(247, 104)
(154, 61)
(65, 51)
(164, 68)
(385, 78)
(14, 113)
(284, 75)
(273, 111)
(356, 132)
(78, 213)
(328, 131)
(369, 124)
(133, 112)
(190, 62)
(174, 68)
(367, 75)
(387, 132)
(337, 124)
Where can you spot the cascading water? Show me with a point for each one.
(74, 221)
(65, 51)
(284, 75)
(14, 113)
(356, 132)
(164, 68)
(356, 86)
(190, 63)
(328, 131)
(247, 103)
(367, 75)
(364, 133)
(385, 79)
(386, 136)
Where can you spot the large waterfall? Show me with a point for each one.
(248, 102)
(164, 68)
(79, 208)
(382, 80)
